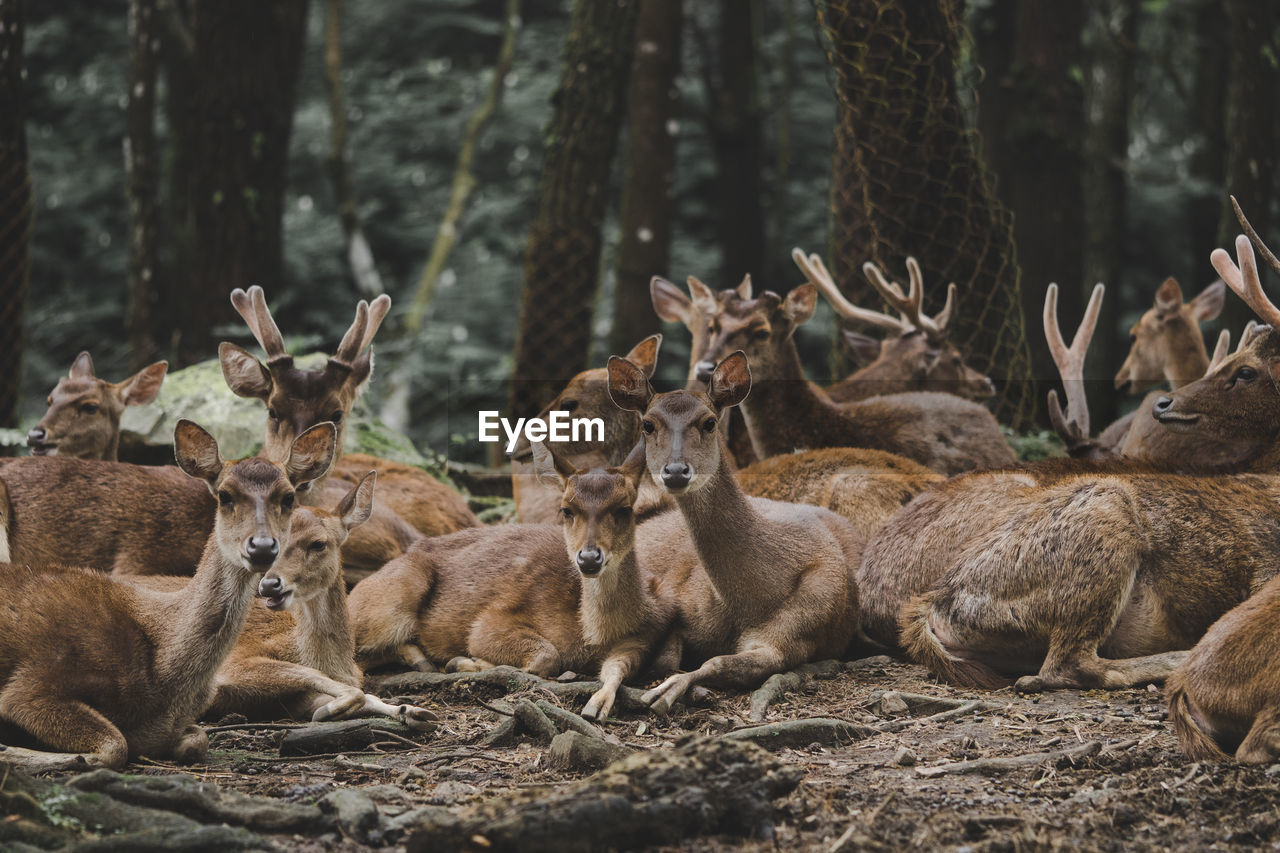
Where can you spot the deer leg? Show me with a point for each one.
(190, 745)
(66, 725)
(744, 669)
(615, 670)
(410, 715)
(1260, 746)
(412, 656)
(462, 663)
(1086, 670)
(495, 638)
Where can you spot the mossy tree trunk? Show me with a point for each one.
(140, 168)
(562, 258)
(15, 208)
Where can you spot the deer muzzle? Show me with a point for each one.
(590, 561)
(262, 550)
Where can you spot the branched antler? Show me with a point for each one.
(252, 306)
(909, 305)
(1073, 426)
(816, 272)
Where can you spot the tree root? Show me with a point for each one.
(345, 736)
(508, 679)
(801, 733)
(1015, 762)
(782, 683)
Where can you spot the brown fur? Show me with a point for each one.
(137, 669)
(911, 361)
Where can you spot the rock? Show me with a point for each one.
(533, 721)
(575, 751)
(343, 735)
(891, 704)
(355, 812)
(904, 757)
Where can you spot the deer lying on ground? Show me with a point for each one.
(1096, 579)
(917, 354)
(108, 672)
(772, 583)
(786, 412)
(295, 656)
(83, 419)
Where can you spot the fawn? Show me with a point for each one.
(772, 583)
(106, 671)
(83, 419)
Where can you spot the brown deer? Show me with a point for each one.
(1097, 578)
(786, 412)
(915, 356)
(624, 623)
(297, 398)
(107, 672)
(1166, 345)
(83, 419)
(772, 586)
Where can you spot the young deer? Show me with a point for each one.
(786, 412)
(106, 671)
(623, 620)
(1097, 579)
(916, 355)
(772, 586)
(83, 419)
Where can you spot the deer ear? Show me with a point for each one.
(312, 453)
(703, 297)
(196, 451)
(361, 371)
(634, 466)
(628, 386)
(245, 375)
(1208, 303)
(669, 303)
(730, 381)
(865, 348)
(800, 303)
(142, 387)
(1168, 297)
(356, 506)
(644, 355)
(551, 471)
(744, 289)
(82, 367)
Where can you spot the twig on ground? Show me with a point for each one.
(779, 684)
(1014, 762)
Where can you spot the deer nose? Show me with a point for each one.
(269, 586)
(676, 475)
(590, 560)
(1162, 405)
(262, 550)
(702, 370)
(37, 435)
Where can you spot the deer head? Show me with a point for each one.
(312, 564)
(1166, 345)
(596, 506)
(700, 315)
(83, 419)
(683, 447)
(296, 398)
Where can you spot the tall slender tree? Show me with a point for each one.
(15, 207)
(1208, 128)
(140, 168)
(562, 259)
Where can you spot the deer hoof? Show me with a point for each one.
(1029, 684)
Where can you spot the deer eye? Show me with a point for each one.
(287, 501)
(713, 328)
(225, 500)
(569, 406)
(271, 413)
(760, 335)
(1133, 338)
(89, 409)
(316, 547)
(567, 513)
(336, 417)
(647, 426)
(622, 513)
(1245, 374)
(709, 425)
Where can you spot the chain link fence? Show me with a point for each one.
(15, 241)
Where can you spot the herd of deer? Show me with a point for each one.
(687, 548)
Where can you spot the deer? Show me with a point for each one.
(772, 584)
(83, 418)
(137, 668)
(916, 355)
(1098, 578)
(786, 412)
(296, 398)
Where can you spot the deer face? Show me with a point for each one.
(311, 564)
(595, 507)
(1167, 337)
(83, 419)
(914, 360)
(255, 496)
(683, 446)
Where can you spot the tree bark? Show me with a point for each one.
(231, 110)
(15, 208)
(562, 259)
(140, 168)
(1208, 161)
(645, 247)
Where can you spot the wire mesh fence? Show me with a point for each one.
(15, 237)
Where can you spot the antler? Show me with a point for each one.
(909, 305)
(816, 272)
(359, 336)
(1074, 426)
(1243, 279)
(252, 307)
(1222, 349)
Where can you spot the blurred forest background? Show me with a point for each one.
(488, 160)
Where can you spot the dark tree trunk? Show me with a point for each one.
(1250, 129)
(140, 168)
(645, 247)
(562, 259)
(15, 208)
(736, 126)
(1209, 135)
(231, 110)
(1108, 93)
(908, 179)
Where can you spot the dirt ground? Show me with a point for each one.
(1111, 779)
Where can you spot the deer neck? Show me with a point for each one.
(734, 542)
(204, 629)
(778, 399)
(322, 633)
(613, 605)
(1190, 367)
(112, 451)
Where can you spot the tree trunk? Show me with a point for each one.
(231, 112)
(140, 168)
(908, 178)
(562, 259)
(1208, 160)
(1250, 129)
(645, 247)
(15, 208)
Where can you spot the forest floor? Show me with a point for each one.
(890, 760)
